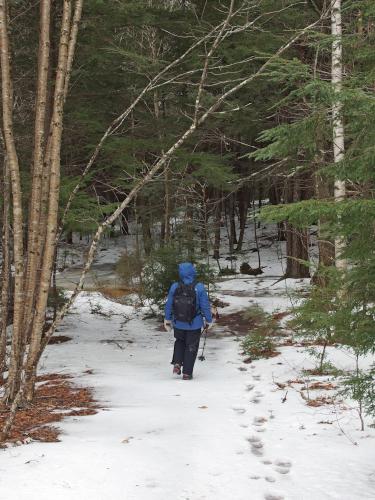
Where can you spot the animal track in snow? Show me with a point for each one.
(257, 377)
(250, 387)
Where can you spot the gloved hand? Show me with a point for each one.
(167, 325)
(208, 325)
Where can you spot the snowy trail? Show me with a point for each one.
(225, 435)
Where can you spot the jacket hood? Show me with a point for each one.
(187, 273)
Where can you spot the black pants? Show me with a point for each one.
(186, 349)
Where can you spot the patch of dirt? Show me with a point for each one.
(262, 354)
(59, 339)
(236, 323)
(56, 397)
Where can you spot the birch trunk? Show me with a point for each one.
(14, 172)
(53, 203)
(39, 152)
(337, 118)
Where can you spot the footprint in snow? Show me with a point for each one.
(256, 445)
(270, 479)
(283, 466)
(257, 397)
(250, 387)
(257, 377)
(259, 421)
(273, 496)
(239, 409)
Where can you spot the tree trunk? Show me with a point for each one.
(145, 224)
(14, 172)
(232, 223)
(40, 129)
(297, 240)
(337, 118)
(243, 206)
(53, 204)
(217, 230)
(203, 222)
(326, 247)
(167, 206)
(189, 230)
(6, 274)
(275, 199)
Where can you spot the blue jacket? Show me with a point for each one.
(188, 274)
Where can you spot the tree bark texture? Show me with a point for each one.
(337, 117)
(14, 173)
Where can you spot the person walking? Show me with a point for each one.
(187, 310)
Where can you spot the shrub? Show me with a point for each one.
(129, 267)
(161, 270)
(257, 345)
(260, 342)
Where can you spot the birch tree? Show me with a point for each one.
(337, 116)
(33, 268)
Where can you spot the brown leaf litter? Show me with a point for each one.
(56, 397)
(236, 322)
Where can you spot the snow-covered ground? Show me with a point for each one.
(235, 432)
(224, 435)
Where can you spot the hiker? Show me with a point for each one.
(188, 310)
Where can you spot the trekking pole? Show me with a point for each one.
(202, 356)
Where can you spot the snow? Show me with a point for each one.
(224, 435)
(230, 433)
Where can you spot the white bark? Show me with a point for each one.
(337, 118)
(17, 213)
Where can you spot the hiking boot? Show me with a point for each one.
(187, 377)
(177, 369)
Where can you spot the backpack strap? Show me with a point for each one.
(197, 298)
